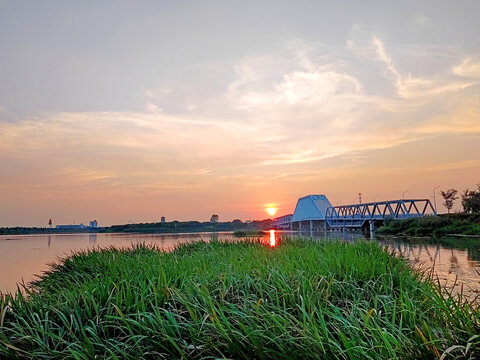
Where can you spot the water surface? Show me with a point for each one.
(23, 257)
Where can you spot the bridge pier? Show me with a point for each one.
(372, 229)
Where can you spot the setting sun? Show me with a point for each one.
(271, 211)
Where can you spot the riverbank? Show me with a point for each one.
(237, 300)
(171, 227)
(436, 226)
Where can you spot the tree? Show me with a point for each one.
(449, 198)
(214, 218)
(471, 200)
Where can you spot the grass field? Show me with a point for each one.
(302, 299)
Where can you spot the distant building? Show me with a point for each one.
(162, 219)
(71, 227)
(93, 224)
(214, 218)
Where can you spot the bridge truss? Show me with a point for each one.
(356, 215)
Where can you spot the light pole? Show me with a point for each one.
(403, 194)
(435, 200)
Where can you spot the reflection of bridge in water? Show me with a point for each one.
(316, 213)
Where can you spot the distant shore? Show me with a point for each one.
(165, 227)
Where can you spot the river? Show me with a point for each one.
(455, 264)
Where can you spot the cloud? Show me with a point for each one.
(421, 88)
(290, 111)
(469, 68)
(383, 56)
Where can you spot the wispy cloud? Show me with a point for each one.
(306, 109)
(283, 116)
(469, 68)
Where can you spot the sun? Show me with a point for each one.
(271, 210)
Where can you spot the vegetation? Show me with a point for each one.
(302, 299)
(166, 227)
(464, 224)
(190, 226)
(471, 200)
(449, 197)
(249, 233)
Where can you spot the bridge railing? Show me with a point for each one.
(357, 214)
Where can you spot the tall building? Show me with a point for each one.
(162, 219)
(93, 224)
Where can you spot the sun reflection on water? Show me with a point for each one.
(272, 238)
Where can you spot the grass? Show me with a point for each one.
(244, 300)
(464, 224)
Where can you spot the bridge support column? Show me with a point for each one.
(372, 229)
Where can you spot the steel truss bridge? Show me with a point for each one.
(356, 215)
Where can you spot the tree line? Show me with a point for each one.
(470, 199)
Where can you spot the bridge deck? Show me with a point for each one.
(356, 215)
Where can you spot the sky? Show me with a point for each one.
(126, 111)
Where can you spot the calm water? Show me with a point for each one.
(22, 257)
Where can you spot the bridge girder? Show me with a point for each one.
(355, 215)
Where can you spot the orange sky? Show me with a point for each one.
(128, 124)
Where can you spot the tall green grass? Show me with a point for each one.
(302, 299)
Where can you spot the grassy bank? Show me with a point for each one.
(461, 224)
(301, 299)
